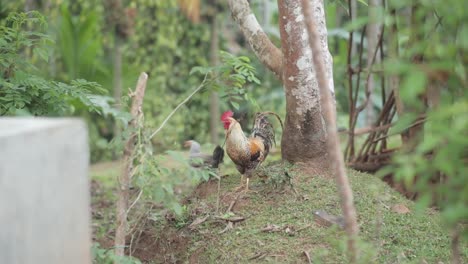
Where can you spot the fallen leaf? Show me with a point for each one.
(400, 209)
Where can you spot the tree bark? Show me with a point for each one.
(264, 49)
(124, 178)
(305, 132)
(328, 109)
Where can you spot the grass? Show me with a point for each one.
(386, 236)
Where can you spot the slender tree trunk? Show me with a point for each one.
(333, 143)
(214, 98)
(124, 178)
(305, 131)
(30, 5)
(353, 14)
(117, 81)
(373, 32)
(393, 52)
(266, 13)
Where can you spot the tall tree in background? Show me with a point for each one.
(214, 49)
(373, 32)
(305, 130)
(120, 21)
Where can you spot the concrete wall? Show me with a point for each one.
(44, 191)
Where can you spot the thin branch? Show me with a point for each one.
(177, 107)
(368, 92)
(334, 151)
(124, 178)
(265, 50)
(135, 201)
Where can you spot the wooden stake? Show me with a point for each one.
(124, 178)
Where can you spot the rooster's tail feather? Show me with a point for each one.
(218, 157)
(264, 129)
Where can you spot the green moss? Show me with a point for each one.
(387, 236)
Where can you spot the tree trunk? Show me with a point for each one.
(305, 131)
(214, 99)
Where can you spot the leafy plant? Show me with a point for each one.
(431, 65)
(231, 78)
(107, 256)
(21, 89)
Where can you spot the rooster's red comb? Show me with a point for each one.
(226, 114)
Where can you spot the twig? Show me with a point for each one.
(134, 202)
(307, 256)
(181, 104)
(232, 203)
(304, 227)
(258, 256)
(332, 141)
(228, 227)
(233, 219)
(218, 194)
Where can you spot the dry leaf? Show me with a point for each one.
(400, 209)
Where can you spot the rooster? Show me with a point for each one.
(208, 160)
(248, 152)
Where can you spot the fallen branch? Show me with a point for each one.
(307, 256)
(136, 200)
(233, 202)
(233, 219)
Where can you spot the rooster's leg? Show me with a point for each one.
(241, 186)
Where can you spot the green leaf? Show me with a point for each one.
(235, 105)
(363, 2)
(413, 85)
(202, 70)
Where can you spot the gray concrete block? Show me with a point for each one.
(44, 191)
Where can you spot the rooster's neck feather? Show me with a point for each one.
(235, 137)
